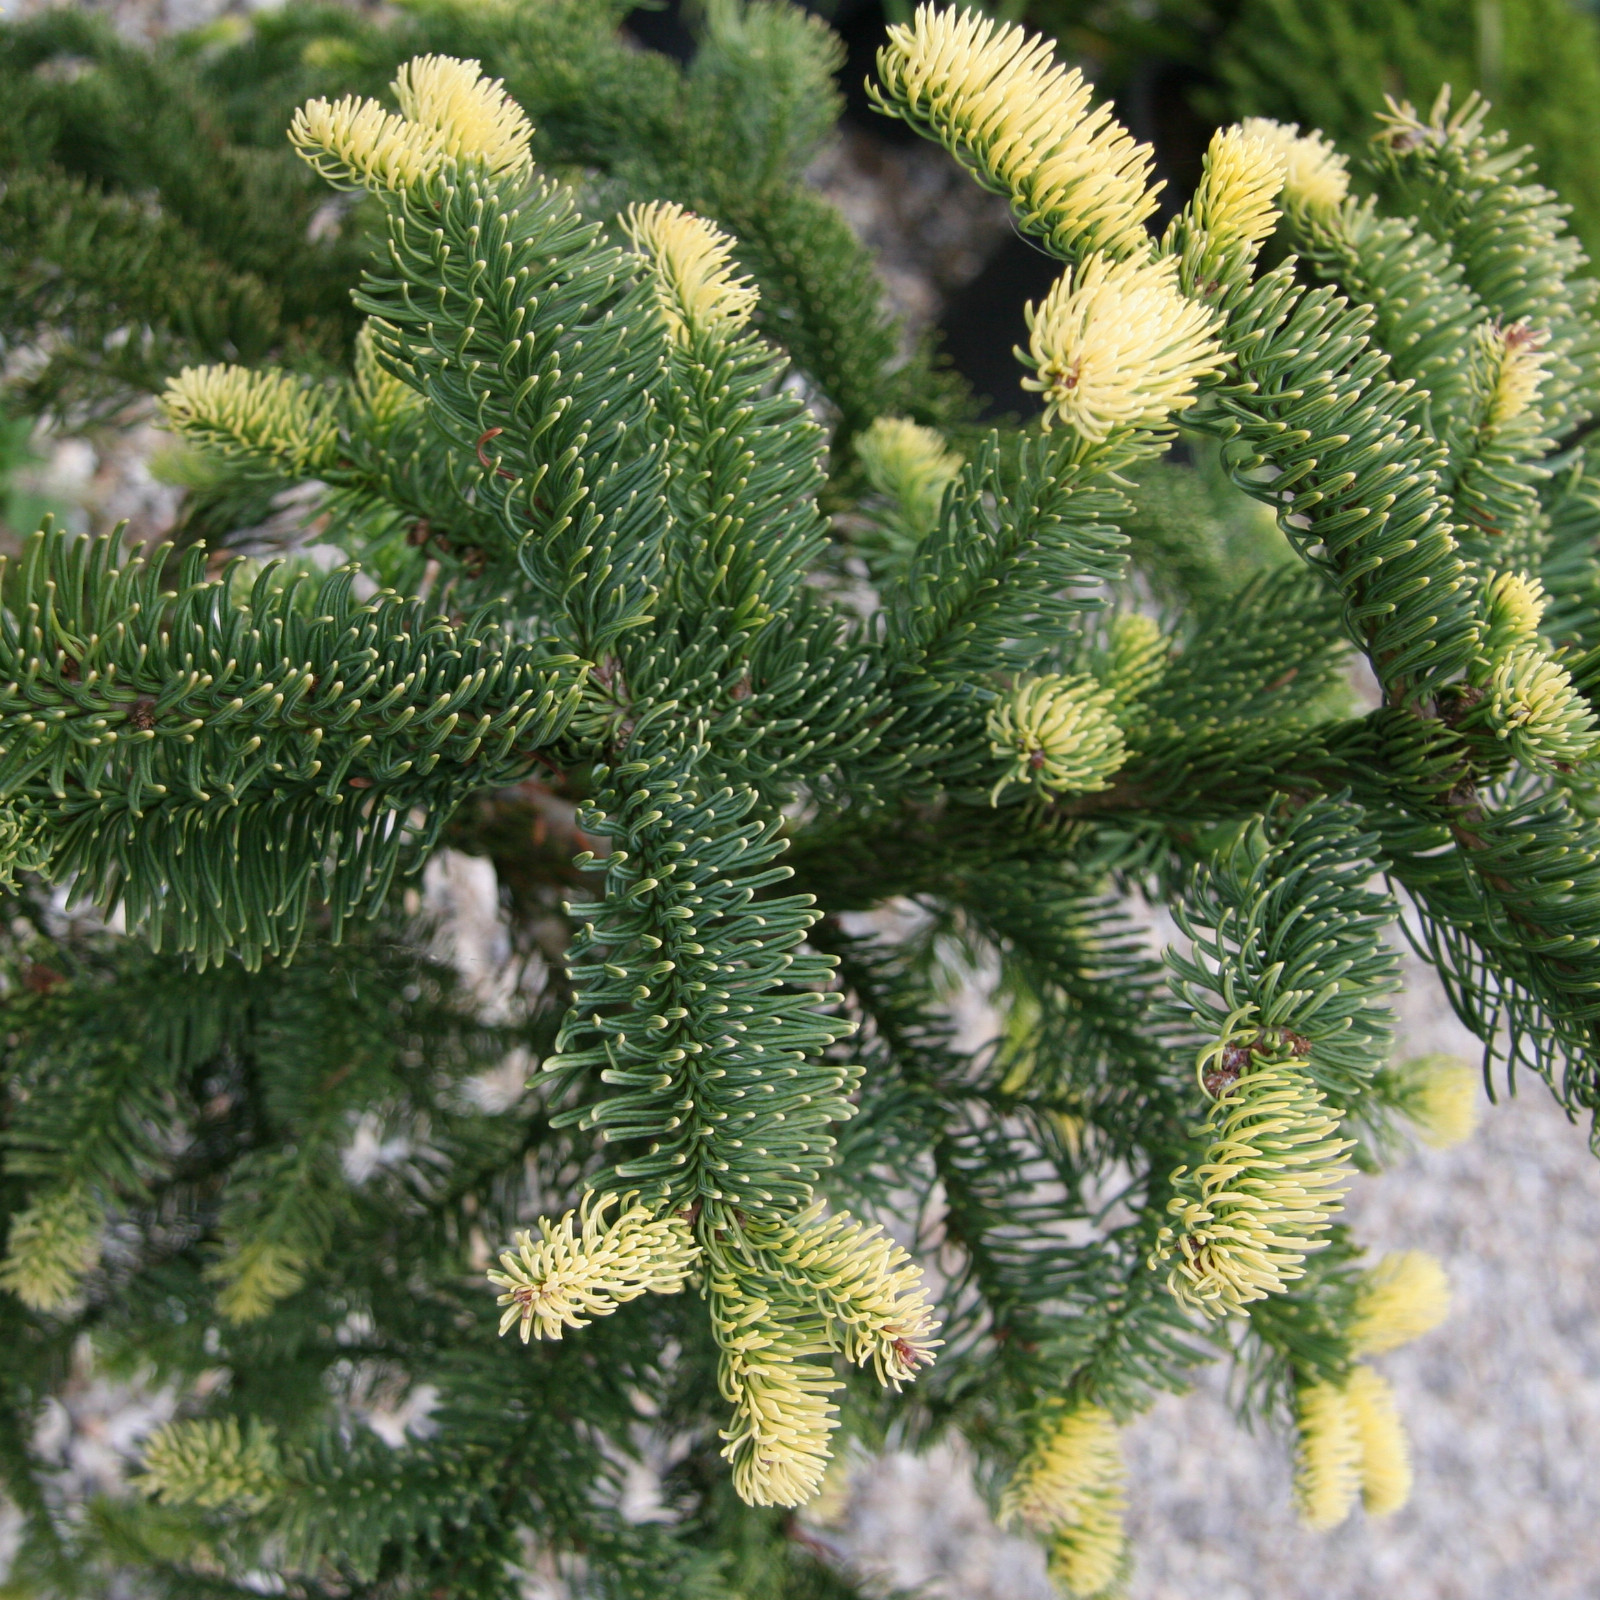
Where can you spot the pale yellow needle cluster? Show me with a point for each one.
(383, 396)
(784, 1293)
(1273, 1178)
(1314, 175)
(1535, 707)
(263, 412)
(568, 1276)
(1087, 1557)
(1351, 1443)
(53, 1243)
(1233, 203)
(1351, 1437)
(1137, 658)
(909, 465)
(256, 1276)
(212, 1463)
(1118, 345)
(1056, 735)
(1514, 604)
(1406, 1295)
(1327, 1464)
(470, 117)
(868, 1288)
(1530, 699)
(782, 1416)
(449, 114)
(1381, 1435)
(691, 263)
(997, 98)
(1515, 358)
(1441, 1096)
(1069, 1489)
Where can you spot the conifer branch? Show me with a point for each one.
(692, 1003)
(604, 408)
(211, 762)
(1021, 124)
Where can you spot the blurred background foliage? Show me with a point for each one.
(1329, 64)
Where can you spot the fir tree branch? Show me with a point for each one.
(211, 763)
(691, 1002)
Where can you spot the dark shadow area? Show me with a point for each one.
(662, 27)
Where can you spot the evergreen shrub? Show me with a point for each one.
(785, 702)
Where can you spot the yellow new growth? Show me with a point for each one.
(467, 116)
(1532, 702)
(1273, 1177)
(1441, 1095)
(570, 1276)
(867, 1287)
(997, 98)
(1515, 604)
(782, 1294)
(1314, 176)
(256, 1276)
(356, 144)
(266, 413)
(1327, 1468)
(1087, 1556)
(52, 1244)
(449, 113)
(1118, 346)
(1406, 1295)
(1075, 1453)
(909, 465)
(1535, 707)
(212, 1464)
(1138, 658)
(782, 1417)
(692, 263)
(1242, 177)
(1385, 1454)
(384, 397)
(1057, 735)
(1351, 1442)
(1069, 1489)
(1516, 358)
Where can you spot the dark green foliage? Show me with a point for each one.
(1287, 939)
(214, 764)
(583, 524)
(91, 128)
(721, 138)
(1391, 553)
(597, 625)
(705, 1004)
(1509, 923)
(1048, 530)
(85, 264)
